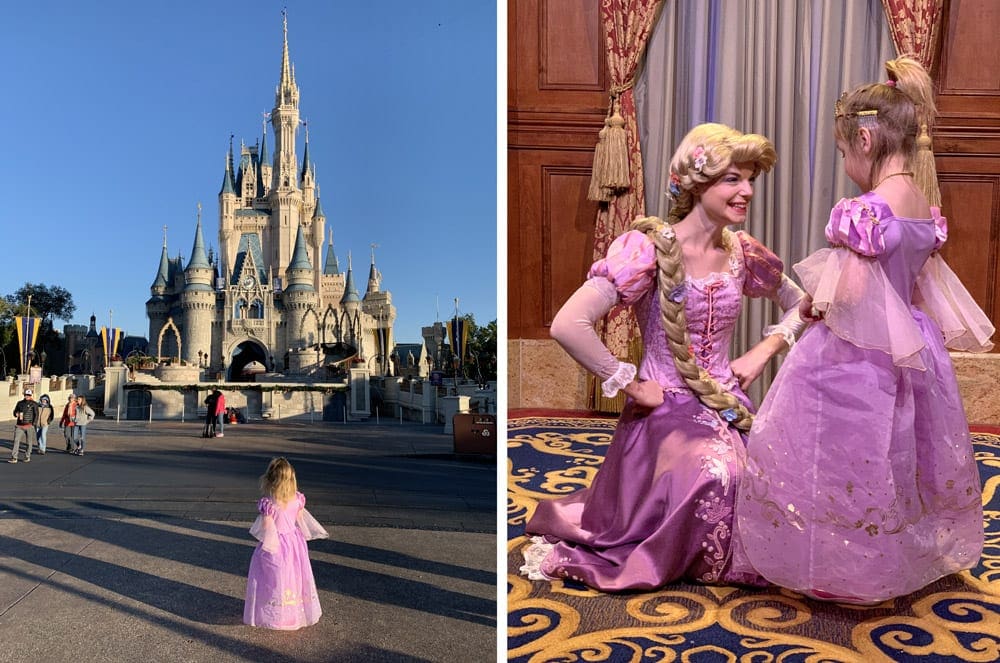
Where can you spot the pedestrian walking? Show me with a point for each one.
(25, 416)
(84, 415)
(68, 422)
(45, 416)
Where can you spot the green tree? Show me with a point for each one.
(49, 303)
(481, 355)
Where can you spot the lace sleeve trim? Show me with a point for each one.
(625, 374)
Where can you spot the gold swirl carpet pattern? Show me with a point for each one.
(954, 619)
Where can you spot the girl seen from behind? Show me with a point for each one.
(861, 483)
(281, 592)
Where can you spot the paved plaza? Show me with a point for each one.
(138, 551)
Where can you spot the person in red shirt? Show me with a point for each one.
(68, 422)
(220, 413)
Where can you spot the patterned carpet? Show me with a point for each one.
(954, 619)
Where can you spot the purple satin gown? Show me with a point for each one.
(861, 480)
(661, 506)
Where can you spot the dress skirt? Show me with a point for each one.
(660, 508)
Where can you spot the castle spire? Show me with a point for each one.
(300, 258)
(227, 179)
(373, 276)
(305, 153)
(163, 274)
(331, 266)
(198, 256)
(287, 92)
(350, 292)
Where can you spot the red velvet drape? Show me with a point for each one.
(915, 25)
(627, 25)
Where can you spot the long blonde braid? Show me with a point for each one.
(670, 275)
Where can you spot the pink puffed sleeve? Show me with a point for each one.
(263, 528)
(940, 228)
(630, 265)
(855, 223)
(764, 269)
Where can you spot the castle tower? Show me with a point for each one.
(285, 197)
(300, 296)
(197, 300)
(269, 296)
(158, 304)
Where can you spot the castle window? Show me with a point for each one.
(240, 309)
(256, 310)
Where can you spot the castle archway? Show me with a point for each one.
(248, 359)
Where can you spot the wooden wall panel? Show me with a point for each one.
(967, 146)
(550, 231)
(557, 99)
(971, 250)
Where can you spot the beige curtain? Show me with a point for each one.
(773, 67)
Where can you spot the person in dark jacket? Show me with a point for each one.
(25, 416)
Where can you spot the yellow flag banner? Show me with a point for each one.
(110, 338)
(27, 334)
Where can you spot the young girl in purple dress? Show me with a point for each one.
(861, 483)
(661, 507)
(281, 591)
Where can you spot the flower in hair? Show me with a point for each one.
(891, 83)
(675, 185)
(729, 415)
(700, 158)
(667, 231)
(678, 294)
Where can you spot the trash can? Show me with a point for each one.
(475, 433)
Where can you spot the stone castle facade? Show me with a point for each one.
(268, 301)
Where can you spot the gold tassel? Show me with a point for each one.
(598, 401)
(616, 155)
(924, 171)
(597, 172)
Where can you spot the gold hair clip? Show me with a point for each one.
(867, 118)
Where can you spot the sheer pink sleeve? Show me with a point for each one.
(573, 329)
(855, 223)
(630, 265)
(625, 274)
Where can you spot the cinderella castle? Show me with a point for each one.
(268, 301)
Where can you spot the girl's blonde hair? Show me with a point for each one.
(278, 482)
(901, 106)
(703, 156)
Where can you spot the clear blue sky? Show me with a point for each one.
(117, 117)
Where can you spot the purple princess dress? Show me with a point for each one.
(281, 591)
(661, 506)
(861, 483)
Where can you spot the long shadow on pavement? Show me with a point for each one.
(382, 588)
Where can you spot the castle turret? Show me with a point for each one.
(197, 300)
(158, 305)
(300, 295)
(331, 267)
